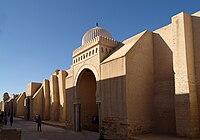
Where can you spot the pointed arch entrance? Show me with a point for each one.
(86, 110)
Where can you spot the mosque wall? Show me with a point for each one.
(150, 85)
(46, 90)
(55, 104)
(113, 98)
(164, 85)
(62, 95)
(91, 61)
(38, 103)
(16, 96)
(106, 50)
(54, 98)
(186, 105)
(139, 86)
(69, 100)
(196, 43)
(20, 104)
(32, 87)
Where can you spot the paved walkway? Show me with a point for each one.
(159, 137)
(29, 132)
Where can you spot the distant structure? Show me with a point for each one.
(149, 83)
(7, 104)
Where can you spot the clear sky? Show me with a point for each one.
(38, 36)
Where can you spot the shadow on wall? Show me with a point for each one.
(113, 109)
(56, 113)
(183, 108)
(112, 106)
(70, 108)
(164, 88)
(196, 36)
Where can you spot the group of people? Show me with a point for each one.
(4, 118)
(39, 122)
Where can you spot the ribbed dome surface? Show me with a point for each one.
(94, 32)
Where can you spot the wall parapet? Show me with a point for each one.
(99, 39)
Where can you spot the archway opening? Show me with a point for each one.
(86, 93)
(27, 108)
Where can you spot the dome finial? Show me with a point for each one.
(97, 24)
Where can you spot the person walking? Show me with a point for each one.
(1, 117)
(39, 123)
(11, 120)
(5, 118)
(101, 134)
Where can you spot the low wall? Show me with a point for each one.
(10, 134)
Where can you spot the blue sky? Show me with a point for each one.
(38, 36)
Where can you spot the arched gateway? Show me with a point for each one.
(97, 44)
(86, 110)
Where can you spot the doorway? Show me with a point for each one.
(86, 112)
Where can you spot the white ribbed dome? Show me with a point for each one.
(94, 32)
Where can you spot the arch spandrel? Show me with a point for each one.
(92, 68)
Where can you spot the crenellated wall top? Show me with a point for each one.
(97, 40)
